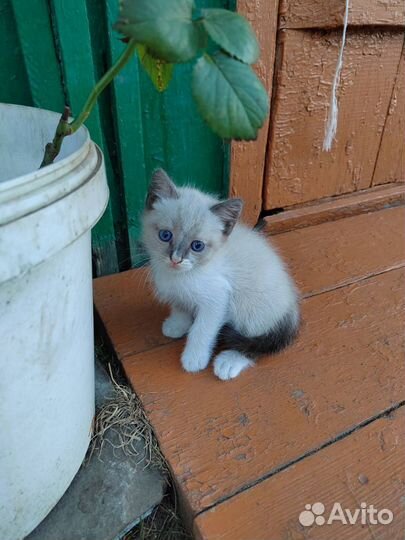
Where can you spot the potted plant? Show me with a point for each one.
(47, 210)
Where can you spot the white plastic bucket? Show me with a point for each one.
(46, 317)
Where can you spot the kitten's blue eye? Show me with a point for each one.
(165, 235)
(197, 245)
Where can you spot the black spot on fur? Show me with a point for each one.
(279, 338)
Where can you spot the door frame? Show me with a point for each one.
(248, 159)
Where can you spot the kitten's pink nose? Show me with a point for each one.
(175, 259)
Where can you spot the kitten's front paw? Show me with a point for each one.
(177, 325)
(229, 364)
(193, 361)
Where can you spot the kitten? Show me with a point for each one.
(223, 281)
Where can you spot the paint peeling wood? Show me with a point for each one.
(248, 158)
(299, 171)
(133, 318)
(347, 366)
(333, 208)
(367, 466)
(321, 14)
(390, 166)
(41, 63)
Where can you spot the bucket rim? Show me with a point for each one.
(56, 169)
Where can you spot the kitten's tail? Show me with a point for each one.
(282, 335)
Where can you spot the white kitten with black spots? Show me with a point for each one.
(223, 281)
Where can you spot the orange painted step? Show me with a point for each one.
(367, 466)
(347, 366)
(321, 257)
(129, 311)
(333, 208)
(326, 256)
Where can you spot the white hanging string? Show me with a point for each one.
(331, 123)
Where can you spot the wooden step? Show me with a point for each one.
(347, 366)
(345, 369)
(333, 208)
(368, 466)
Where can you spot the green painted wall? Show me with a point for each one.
(52, 52)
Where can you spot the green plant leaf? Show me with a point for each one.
(164, 26)
(230, 97)
(159, 71)
(233, 33)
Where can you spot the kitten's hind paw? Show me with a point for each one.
(177, 325)
(229, 364)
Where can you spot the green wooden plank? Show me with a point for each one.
(129, 133)
(176, 137)
(99, 30)
(165, 130)
(14, 87)
(74, 38)
(36, 39)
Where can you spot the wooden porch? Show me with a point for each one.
(323, 421)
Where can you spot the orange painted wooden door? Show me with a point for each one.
(286, 167)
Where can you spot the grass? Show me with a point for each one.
(123, 417)
(163, 523)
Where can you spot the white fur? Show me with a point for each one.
(177, 324)
(229, 364)
(238, 280)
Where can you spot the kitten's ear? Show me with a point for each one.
(228, 212)
(160, 187)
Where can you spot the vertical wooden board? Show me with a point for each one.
(390, 166)
(175, 136)
(79, 75)
(100, 29)
(129, 134)
(346, 367)
(37, 43)
(298, 170)
(248, 158)
(366, 466)
(194, 153)
(14, 86)
(78, 67)
(321, 14)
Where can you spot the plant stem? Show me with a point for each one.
(65, 128)
(102, 83)
(52, 149)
